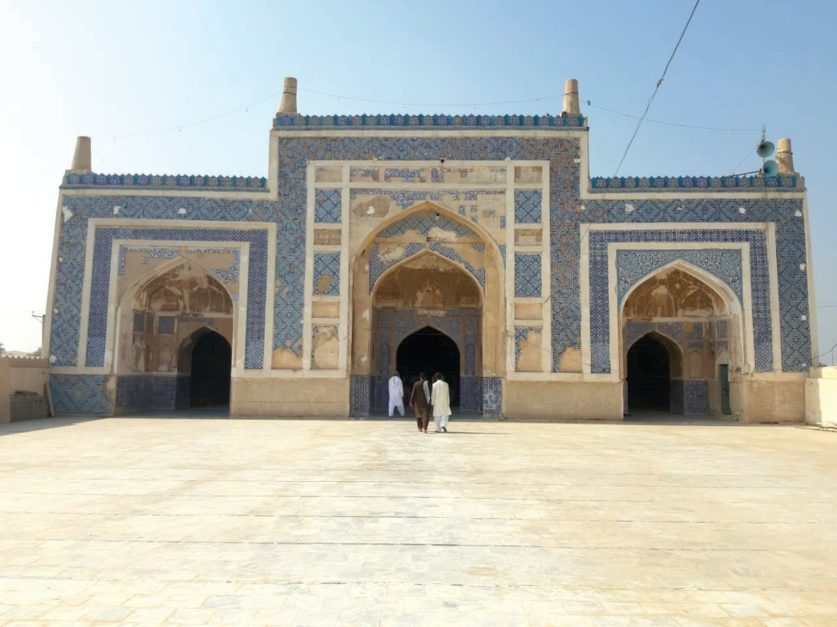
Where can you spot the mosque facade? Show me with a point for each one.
(477, 246)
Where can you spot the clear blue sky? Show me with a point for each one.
(113, 69)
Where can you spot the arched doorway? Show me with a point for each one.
(160, 322)
(211, 359)
(681, 336)
(427, 266)
(648, 377)
(204, 370)
(427, 309)
(429, 351)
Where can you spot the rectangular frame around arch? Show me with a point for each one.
(691, 237)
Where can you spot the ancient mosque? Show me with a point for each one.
(474, 245)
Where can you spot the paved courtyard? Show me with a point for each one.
(152, 520)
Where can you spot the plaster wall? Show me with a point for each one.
(549, 400)
(770, 399)
(22, 375)
(321, 398)
(821, 397)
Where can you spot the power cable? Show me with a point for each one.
(656, 88)
(678, 124)
(212, 118)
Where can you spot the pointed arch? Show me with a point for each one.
(125, 343)
(416, 256)
(715, 283)
(422, 207)
(676, 354)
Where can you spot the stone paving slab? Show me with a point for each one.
(212, 521)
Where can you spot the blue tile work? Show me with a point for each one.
(327, 206)
(167, 182)
(294, 154)
(520, 335)
(785, 214)
(470, 355)
(633, 265)
(635, 330)
(408, 198)
(695, 398)
(470, 395)
(100, 284)
(527, 274)
(72, 243)
(327, 273)
(423, 222)
(398, 324)
(80, 394)
(527, 206)
(145, 392)
(289, 215)
(409, 122)
(360, 395)
(378, 266)
(600, 297)
(692, 183)
(451, 253)
(492, 396)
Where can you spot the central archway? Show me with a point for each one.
(429, 350)
(427, 266)
(436, 307)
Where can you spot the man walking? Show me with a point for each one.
(396, 394)
(420, 402)
(440, 398)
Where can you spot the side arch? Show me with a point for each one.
(699, 320)
(718, 284)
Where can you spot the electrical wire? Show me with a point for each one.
(677, 124)
(656, 88)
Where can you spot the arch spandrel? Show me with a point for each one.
(674, 293)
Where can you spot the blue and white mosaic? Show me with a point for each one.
(327, 273)
(527, 274)
(527, 206)
(378, 265)
(600, 297)
(327, 206)
(100, 284)
(633, 265)
(423, 222)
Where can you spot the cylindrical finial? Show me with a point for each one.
(571, 97)
(288, 104)
(784, 156)
(82, 161)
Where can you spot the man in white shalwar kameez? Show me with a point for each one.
(396, 394)
(440, 398)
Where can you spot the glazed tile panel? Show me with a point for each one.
(713, 261)
(787, 217)
(100, 285)
(72, 243)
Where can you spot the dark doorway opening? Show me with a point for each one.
(649, 376)
(211, 365)
(428, 350)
